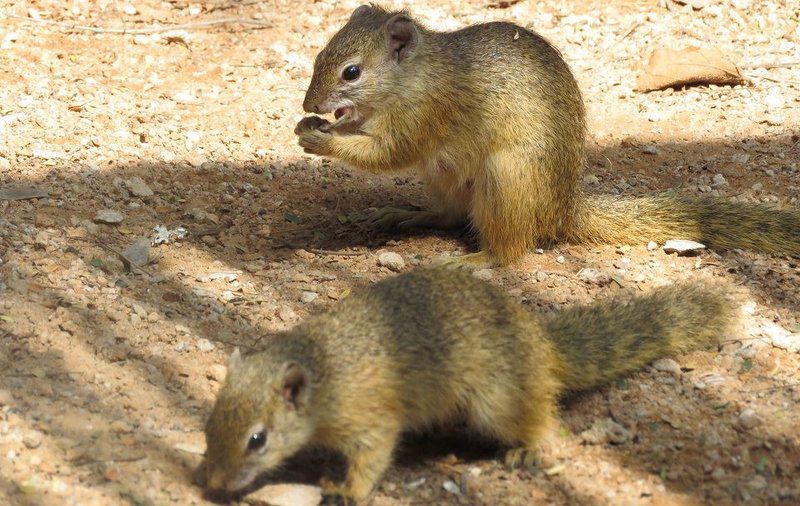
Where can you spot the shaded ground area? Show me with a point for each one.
(108, 373)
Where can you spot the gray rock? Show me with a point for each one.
(138, 187)
(391, 261)
(9, 193)
(108, 216)
(605, 430)
(594, 276)
(683, 247)
(138, 252)
(719, 180)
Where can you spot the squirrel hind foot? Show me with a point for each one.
(470, 261)
(523, 457)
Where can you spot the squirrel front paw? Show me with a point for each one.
(315, 141)
(309, 123)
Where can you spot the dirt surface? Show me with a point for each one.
(108, 373)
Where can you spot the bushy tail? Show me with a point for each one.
(600, 342)
(718, 223)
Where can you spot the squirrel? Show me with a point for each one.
(492, 120)
(432, 347)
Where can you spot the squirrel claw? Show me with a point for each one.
(470, 261)
(336, 499)
(310, 123)
(522, 458)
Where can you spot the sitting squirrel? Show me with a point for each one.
(492, 120)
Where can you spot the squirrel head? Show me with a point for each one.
(259, 420)
(362, 63)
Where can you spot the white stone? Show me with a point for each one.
(391, 260)
(682, 246)
(667, 365)
(307, 297)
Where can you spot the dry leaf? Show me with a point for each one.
(669, 68)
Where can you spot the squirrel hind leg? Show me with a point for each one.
(521, 423)
(389, 217)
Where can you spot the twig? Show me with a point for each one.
(774, 79)
(783, 65)
(140, 31)
(124, 258)
(225, 6)
(83, 460)
(337, 253)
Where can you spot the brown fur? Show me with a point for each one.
(491, 118)
(433, 347)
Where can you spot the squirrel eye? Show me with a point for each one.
(351, 73)
(257, 440)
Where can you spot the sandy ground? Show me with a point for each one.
(108, 374)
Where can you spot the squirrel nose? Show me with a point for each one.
(309, 107)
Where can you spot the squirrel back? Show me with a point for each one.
(432, 347)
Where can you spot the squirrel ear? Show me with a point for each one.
(401, 36)
(235, 360)
(295, 386)
(360, 11)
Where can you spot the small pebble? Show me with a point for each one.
(652, 246)
(216, 372)
(205, 345)
(748, 419)
(451, 487)
(758, 482)
(683, 247)
(6, 398)
(594, 276)
(484, 274)
(285, 494)
(108, 216)
(32, 439)
(307, 297)
(286, 314)
(719, 180)
(391, 261)
(605, 430)
(667, 365)
(138, 187)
